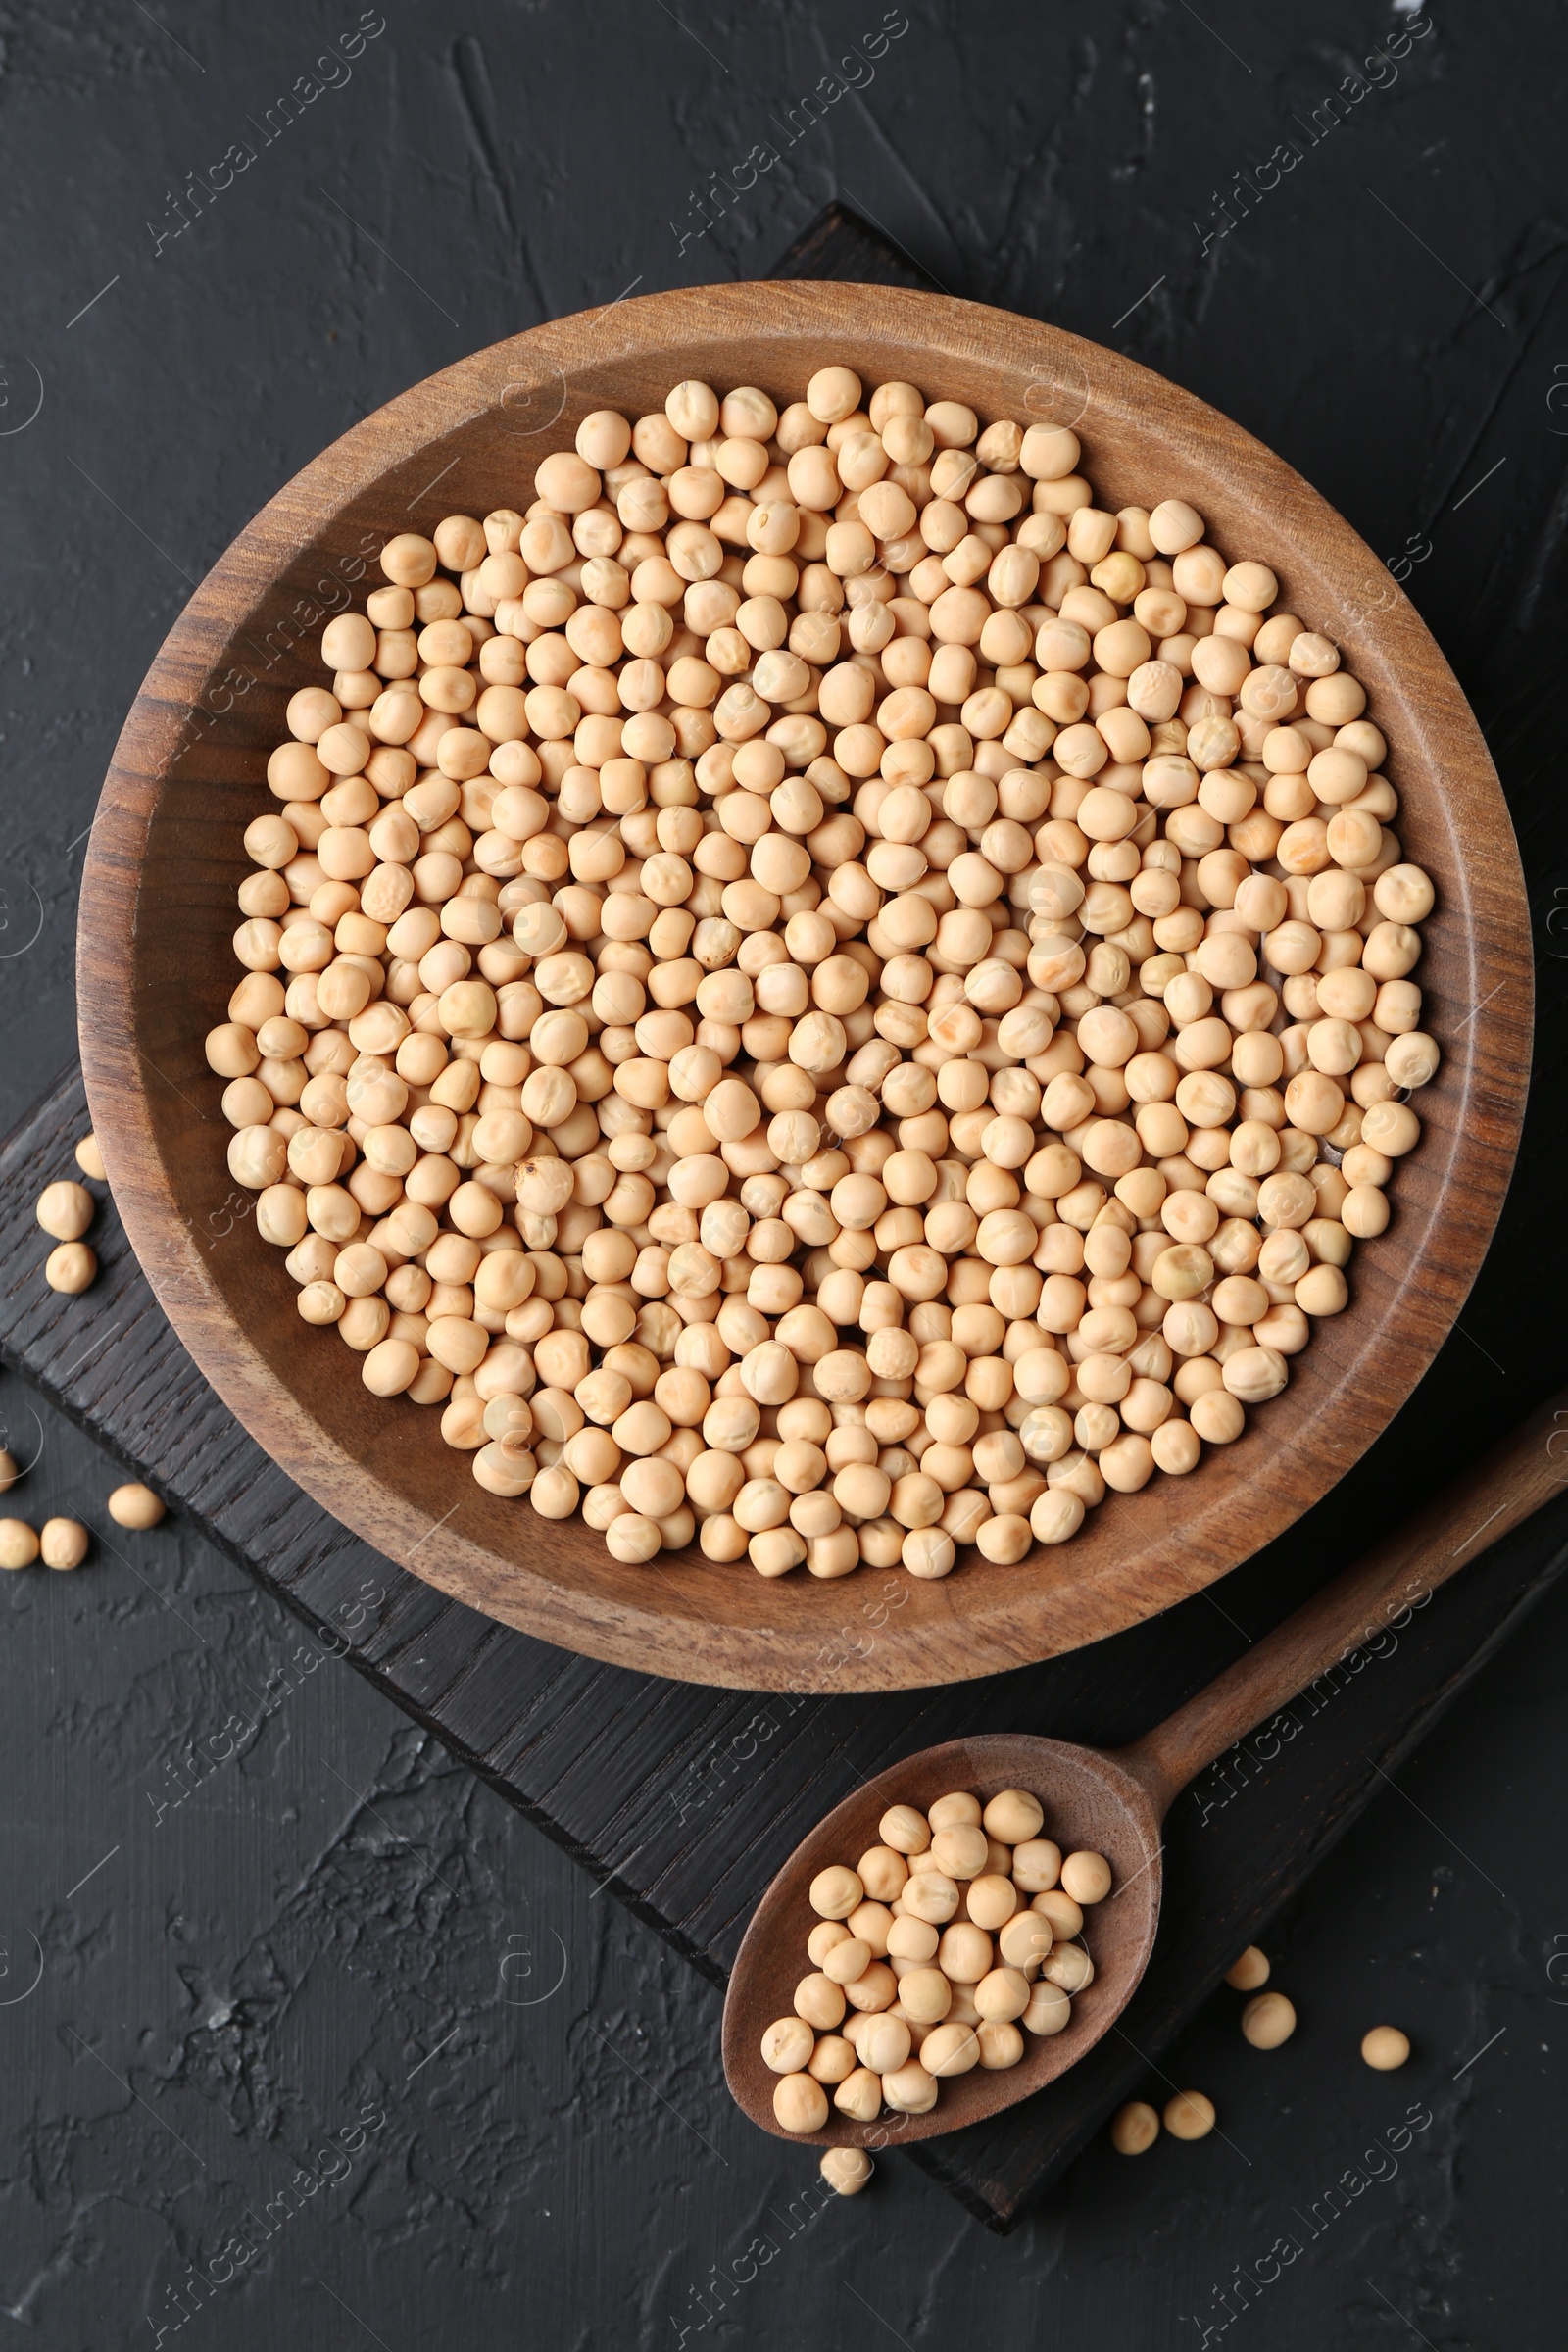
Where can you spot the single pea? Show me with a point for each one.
(961, 1851)
(959, 1810)
(848, 2169)
(135, 1506)
(1037, 1865)
(859, 2095)
(1002, 1995)
(1384, 2048)
(836, 1892)
(1001, 2044)
(930, 1895)
(1014, 1816)
(1085, 1878)
(910, 2089)
(1134, 2127)
(787, 2046)
(63, 1543)
(66, 1210)
(847, 1962)
(800, 2103)
(70, 1268)
(883, 1873)
(18, 1543)
(951, 2048)
(1190, 2115)
(1069, 1966)
(1048, 2010)
(905, 1830)
(819, 2001)
(1268, 2020)
(1249, 1972)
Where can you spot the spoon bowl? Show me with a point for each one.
(1090, 1800)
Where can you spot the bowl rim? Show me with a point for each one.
(1463, 1167)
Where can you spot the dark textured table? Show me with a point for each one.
(333, 1918)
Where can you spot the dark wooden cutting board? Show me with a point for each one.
(684, 1799)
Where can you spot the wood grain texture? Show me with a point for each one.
(156, 969)
(1516, 1478)
(685, 1801)
(838, 246)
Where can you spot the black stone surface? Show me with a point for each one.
(273, 1956)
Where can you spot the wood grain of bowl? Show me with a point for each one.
(156, 969)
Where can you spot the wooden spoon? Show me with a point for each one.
(1113, 1803)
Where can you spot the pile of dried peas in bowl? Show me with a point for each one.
(958, 1932)
(817, 990)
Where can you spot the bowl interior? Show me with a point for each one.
(157, 969)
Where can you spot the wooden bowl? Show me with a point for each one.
(156, 970)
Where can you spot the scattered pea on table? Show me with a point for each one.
(66, 1210)
(848, 2169)
(1134, 2127)
(63, 1543)
(71, 1268)
(18, 1543)
(135, 1506)
(1190, 2115)
(1249, 1971)
(1268, 2020)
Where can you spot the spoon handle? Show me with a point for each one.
(1368, 1599)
